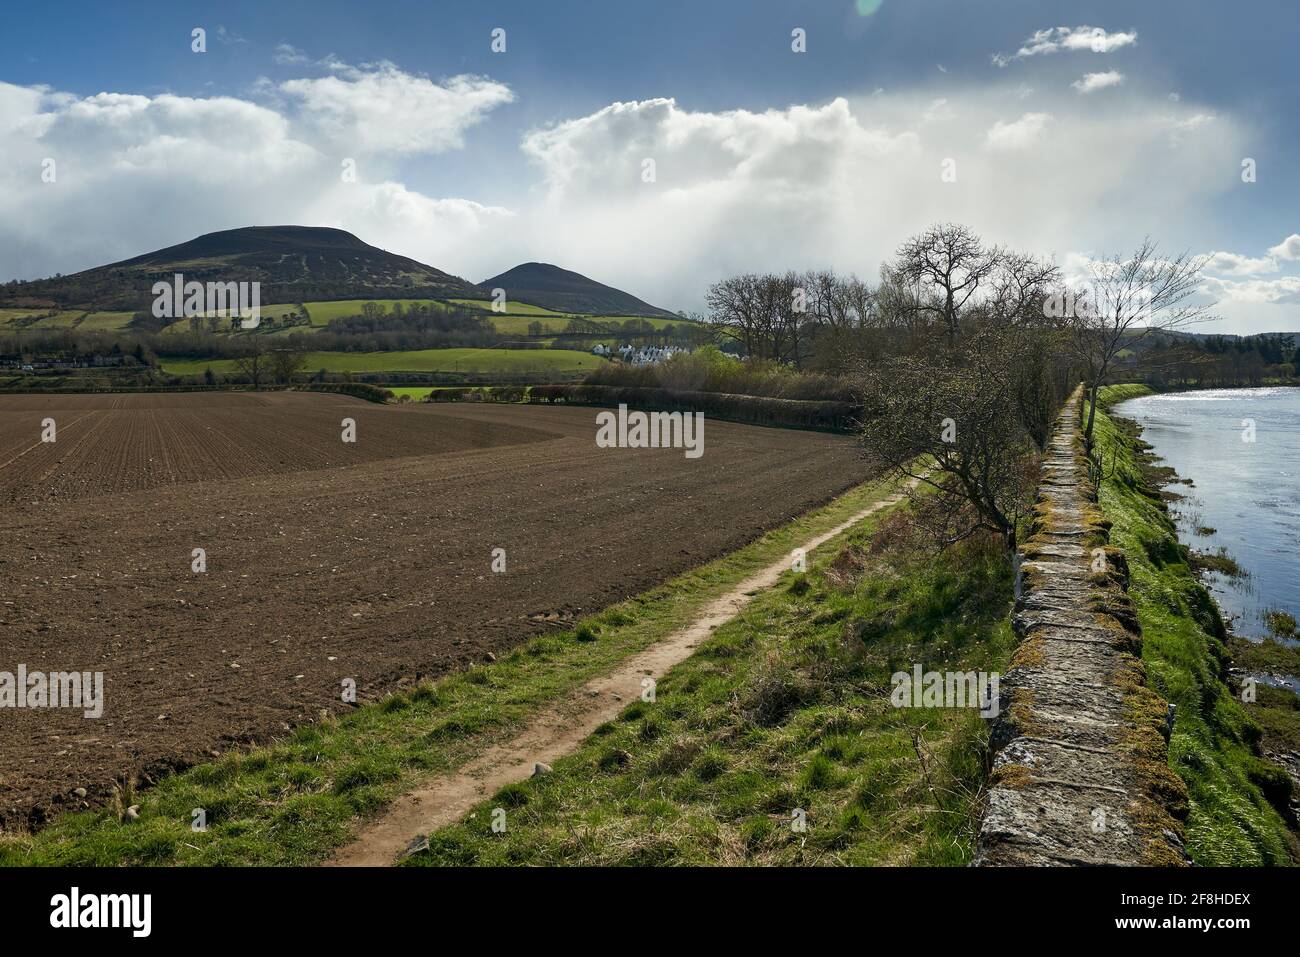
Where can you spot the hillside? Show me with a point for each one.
(566, 291)
(293, 264)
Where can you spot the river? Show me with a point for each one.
(1246, 492)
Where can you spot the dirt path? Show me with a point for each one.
(558, 730)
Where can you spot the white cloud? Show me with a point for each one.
(838, 184)
(938, 110)
(1091, 82)
(1188, 123)
(134, 173)
(1288, 248)
(386, 110)
(1018, 135)
(286, 54)
(1235, 264)
(842, 184)
(1285, 289)
(1056, 39)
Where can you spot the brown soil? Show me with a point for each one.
(325, 560)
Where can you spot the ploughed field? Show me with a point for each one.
(325, 560)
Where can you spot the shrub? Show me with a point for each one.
(359, 390)
(758, 410)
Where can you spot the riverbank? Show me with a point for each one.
(1235, 499)
(1238, 798)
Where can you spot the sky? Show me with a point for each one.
(659, 147)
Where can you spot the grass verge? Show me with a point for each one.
(1215, 743)
(782, 718)
(293, 801)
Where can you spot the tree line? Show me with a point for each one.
(963, 353)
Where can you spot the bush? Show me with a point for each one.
(711, 370)
(759, 410)
(359, 390)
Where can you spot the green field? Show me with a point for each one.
(323, 313)
(480, 361)
(7, 314)
(320, 313)
(518, 325)
(514, 322)
(72, 319)
(417, 393)
(512, 308)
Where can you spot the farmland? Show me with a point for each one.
(323, 313)
(327, 560)
(416, 393)
(67, 319)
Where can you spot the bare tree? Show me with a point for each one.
(1129, 299)
(734, 311)
(764, 313)
(968, 392)
(1020, 282)
(840, 311)
(253, 363)
(952, 262)
(287, 363)
(1030, 364)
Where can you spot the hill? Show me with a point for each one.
(293, 264)
(566, 291)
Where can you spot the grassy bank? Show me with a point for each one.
(295, 799)
(784, 710)
(1214, 746)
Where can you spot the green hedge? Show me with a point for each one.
(759, 410)
(360, 390)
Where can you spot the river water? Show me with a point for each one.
(1246, 489)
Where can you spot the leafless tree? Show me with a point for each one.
(767, 314)
(950, 263)
(287, 363)
(252, 364)
(1130, 298)
(1019, 283)
(734, 310)
(841, 314)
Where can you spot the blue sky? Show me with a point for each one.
(764, 158)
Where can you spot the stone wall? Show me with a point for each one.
(1080, 748)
